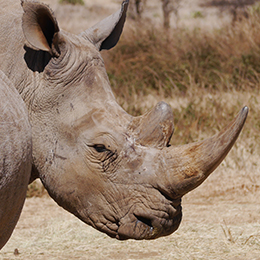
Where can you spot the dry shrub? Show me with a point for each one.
(215, 72)
(35, 189)
(180, 60)
(73, 2)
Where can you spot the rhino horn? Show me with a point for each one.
(155, 128)
(193, 163)
(105, 34)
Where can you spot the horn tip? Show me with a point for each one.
(244, 112)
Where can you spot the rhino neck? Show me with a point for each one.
(15, 54)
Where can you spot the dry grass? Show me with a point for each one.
(207, 76)
(73, 2)
(208, 231)
(196, 66)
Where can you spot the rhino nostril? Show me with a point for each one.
(144, 220)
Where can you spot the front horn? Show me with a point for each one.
(187, 166)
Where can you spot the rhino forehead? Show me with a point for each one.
(95, 121)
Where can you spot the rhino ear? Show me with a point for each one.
(39, 25)
(105, 34)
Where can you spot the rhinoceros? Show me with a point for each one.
(113, 171)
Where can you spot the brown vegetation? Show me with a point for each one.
(237, 8)
(210, 71)
(73, 2)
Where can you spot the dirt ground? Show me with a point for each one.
(221, 218)
(218, 223)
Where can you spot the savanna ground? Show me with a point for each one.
(207, 68)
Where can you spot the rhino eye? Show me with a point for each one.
(100, 148)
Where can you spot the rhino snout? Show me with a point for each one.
(150, 223)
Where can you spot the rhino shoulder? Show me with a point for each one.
(15, 156)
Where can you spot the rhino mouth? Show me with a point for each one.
(148, 225)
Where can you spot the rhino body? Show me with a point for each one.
(15, 154)
(114, 171)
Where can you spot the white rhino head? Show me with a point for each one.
(115, 172)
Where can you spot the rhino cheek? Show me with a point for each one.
(74, 187)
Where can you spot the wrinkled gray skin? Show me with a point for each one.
(15, 156)
(113, 171)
